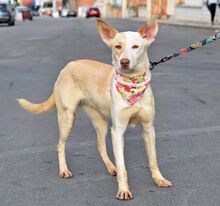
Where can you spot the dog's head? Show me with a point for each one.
(128, 48)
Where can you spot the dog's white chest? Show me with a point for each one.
(142, 110)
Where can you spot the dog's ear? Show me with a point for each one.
(149, 30)
(107, 32)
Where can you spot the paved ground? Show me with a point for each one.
(187, 122)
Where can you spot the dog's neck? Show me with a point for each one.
(131, 86)
(142, 67)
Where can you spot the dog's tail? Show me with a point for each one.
(37, 108)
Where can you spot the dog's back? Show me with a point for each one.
(90, 83)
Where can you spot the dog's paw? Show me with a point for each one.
(162, 182)
(124, 195)
(112, 171)
(66, 174)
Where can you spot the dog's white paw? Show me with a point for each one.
(162, 182)
(66, 174)
(124, 195)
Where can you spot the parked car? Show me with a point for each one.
(64, 12)
(47, 8)
(6, 15)
(46, 11)
(68, 13)
(93, 12)
(35, 10)
(72, 13)
(35, 13)
(25, 12)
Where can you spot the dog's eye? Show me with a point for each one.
(118, 46)
(135, 47)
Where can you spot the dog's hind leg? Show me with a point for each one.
(100, 124)
(66, 104)
(65, 121)
(149, 140)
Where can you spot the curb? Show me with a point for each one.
(173, 22)
(203, 25)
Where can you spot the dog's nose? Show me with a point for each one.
(125, 62)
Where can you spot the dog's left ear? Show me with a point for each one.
(107, 32)
(149, 30)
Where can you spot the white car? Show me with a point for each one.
(64, 12)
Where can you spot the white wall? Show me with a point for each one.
(6, 1)
(194, 3)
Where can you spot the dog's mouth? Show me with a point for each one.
(126, 70)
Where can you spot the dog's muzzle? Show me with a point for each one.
(125, 63)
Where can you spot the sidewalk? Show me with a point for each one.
(192, 16)
(195, 17)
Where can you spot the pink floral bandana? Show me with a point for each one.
(132, 88)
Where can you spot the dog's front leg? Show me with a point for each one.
(118, 130)
(149, 140)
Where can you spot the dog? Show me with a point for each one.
(121, 91)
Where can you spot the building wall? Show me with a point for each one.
(26, 2)
(192, 3)
(85, 3)
(136, 3)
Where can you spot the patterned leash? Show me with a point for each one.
(186, 50)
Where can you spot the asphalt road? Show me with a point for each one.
(187, 121)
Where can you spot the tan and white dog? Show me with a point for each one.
(93, 86)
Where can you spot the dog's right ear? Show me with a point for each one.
(107, 32)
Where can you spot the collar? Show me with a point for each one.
(132, 88)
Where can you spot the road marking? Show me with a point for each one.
(190, 131)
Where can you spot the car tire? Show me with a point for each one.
(11, 23)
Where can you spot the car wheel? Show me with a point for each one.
(11, 23)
